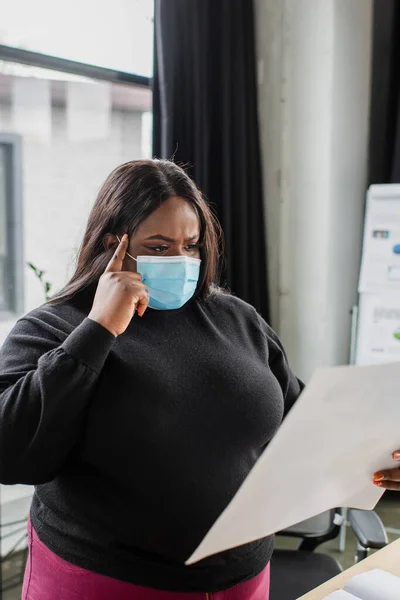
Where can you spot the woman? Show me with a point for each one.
(137, 401)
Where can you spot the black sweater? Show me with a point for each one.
(137, 444)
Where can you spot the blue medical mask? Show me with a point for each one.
(171, 280)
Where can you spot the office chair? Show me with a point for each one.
(296, 572)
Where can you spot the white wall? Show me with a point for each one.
(314, 70)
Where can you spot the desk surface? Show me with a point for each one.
(387, 559)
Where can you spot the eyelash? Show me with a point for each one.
(160, 249)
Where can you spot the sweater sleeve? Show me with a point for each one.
(291, 385)
(45, 390)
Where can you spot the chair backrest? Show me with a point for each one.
(317, 526)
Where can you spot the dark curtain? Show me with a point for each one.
(205, 116)
(384, 152)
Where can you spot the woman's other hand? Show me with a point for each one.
(119, 294)
(389, 479)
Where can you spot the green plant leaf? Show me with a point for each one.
(39, 274)
(32, 266)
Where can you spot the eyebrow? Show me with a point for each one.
(167, 239)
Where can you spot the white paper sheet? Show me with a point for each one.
(375, 585)
(341, 595)
(344, 427)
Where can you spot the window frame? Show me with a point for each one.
(45, 61)
(14, 224)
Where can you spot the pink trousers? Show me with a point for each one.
(49, 577)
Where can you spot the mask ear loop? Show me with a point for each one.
(127, 253)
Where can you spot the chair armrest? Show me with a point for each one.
(368, 528)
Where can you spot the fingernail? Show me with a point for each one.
(378, 483)
(396, 455)
(378, 477)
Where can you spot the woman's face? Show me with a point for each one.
(171, 230)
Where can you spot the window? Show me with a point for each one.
(74, 130)
(116, 35)
(75, 94)
(11, 281)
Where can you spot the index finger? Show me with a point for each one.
(117, 258)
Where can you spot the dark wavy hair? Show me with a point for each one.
(128, 196)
